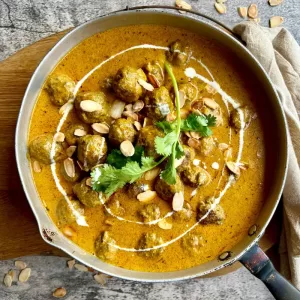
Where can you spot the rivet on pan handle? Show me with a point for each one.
(259, 264)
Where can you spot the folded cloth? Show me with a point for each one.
(279, 54)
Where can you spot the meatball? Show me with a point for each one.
(91, 150)
(189, 155)
(150, 240)
(216, 216)
(194, 176)
(122, 130)
(192, 243)
(102, 114)
(64, 212)
(86, 194)
(104, 248)
(136, 188)
(126, 86)
(166, 191)
(158, 104)
(69, 133)
(60, 88)
(179, 54)
(155, 73)
(207, 145)
(150, 212)
(185, 214)
(40, 148)
(235, 119)
(190, 91)
(146, 139)
(66, 176)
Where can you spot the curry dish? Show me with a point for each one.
(147, 148)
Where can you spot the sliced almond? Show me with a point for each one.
(81, 268)
(138, 106)
(71, 150)
(146, 85)
(178, 200)
(195, 135)
(69, 167)
(152, 174)
(252, 11)
(71, 263)
(68, 231)
(12, 273)
(181, 99)
(223, 146)
(117, 109)
(36, 167)
(275, 2)
(79, 132)
(233, 167)
(210, 103)
(79, 165)
(196, 162)
(220, 7)
(88, 182)
(153, 80)
(194, 143)
(130, 114)
(59, 292)
(183, 4)
(137, 125)
(276, 21)
(215, 165)
(66, 107)
(20, 264)
(90, 106)
(101, 278)
(59, 137)
(128, 106)
(243, 11)
(163, 224)
(228, 153)
(146, 196)
(101, 128)
(24, 275)
(178, 161)
(127, 148)
(8, 280)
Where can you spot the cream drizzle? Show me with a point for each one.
(80, 219)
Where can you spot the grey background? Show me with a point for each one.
(23, 22)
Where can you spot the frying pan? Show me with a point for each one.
(246, 251)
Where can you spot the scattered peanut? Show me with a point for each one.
(127, 148)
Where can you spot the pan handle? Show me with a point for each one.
(259, 264)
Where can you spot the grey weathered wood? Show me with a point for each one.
(23, 22)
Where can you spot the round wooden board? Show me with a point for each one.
(19, 235)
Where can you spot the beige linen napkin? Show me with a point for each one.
(279, 54)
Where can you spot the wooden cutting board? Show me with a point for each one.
(19, 233)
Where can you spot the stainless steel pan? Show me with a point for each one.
(49, 231)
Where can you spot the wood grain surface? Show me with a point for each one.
(19, 235)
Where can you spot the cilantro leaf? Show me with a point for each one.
(118, 160)
(211, 120)
(198, 123)
(169, 173)
(148, 162)
(179, 151)
(163, 145)
(165, 126)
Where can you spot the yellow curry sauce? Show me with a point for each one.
(242, 201)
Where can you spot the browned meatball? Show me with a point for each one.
(166, 191)
(179, 54)
(189, 155)
(194, 176)
(71, 138)
(150, 240)
(126, 86)
(122, 130)
(91, 150)
(102, 112)
(216, 216)
(158, 104)
(60, 88)
(192, 243)
(146, 139)
(150, 212)
(104, 248)
(40, 148)
(207, 145)
(235, 119)
(64, 212)
(86, 194)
